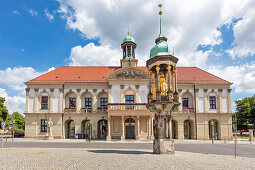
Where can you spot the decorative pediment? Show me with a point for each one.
(129, 73)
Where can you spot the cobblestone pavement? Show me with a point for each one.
(53, 158)
(244, 150)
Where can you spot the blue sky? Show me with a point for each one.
(39, 35)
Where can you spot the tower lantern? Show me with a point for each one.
(163, 95)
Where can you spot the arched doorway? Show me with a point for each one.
(130, 128)
(213, 129)
(102, 129)
(85, 129)
(187, 129)
(70, 129)
(174, 129)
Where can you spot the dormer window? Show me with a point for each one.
(44, 103)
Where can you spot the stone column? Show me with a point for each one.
(36, 104)
(169, 77)
(108, 138)
(180, 100)
(220, 101)
(94, 100)
(122, 128)
(122, 95)
(152, 130)
(27, 99)
(51, 100)
(109, 93)
(61, 100)
(138, 127)
(137, 94)
(229, 101)
(205, 101)
(196, 100)
(78, 100)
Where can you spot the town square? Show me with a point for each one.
(127, 85)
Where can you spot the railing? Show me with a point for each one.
(70, 109)
(188, 110)
(86, 110)
(102, 110)
(127, 106)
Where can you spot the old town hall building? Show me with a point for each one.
(112, 100)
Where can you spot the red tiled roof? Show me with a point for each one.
(100, 73)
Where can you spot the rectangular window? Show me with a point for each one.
(185, 102)
(44, 104)
(88, 102)
(72, 102)
(212, 102)
(103, 103)
(130, 99)
(43, 125)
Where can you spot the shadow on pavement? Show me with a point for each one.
(120, 152)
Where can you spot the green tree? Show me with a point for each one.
(3, 110)
(245, 111)
(19, 121)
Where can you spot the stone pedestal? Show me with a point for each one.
(108, 138)
(48, 137)
(250, 134)
(163, 146)
(122, 138)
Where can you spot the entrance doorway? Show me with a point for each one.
(130, 128)
(70, 129)
(174, 129)
(213, 129)
(102, 129)
(85, 129)
(187, 129)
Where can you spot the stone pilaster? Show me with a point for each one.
(36, 104)
(61, 100)
(152, 130)
(180, 100)
(220, 101)
(108, 138)
(138, 128)
(51, 100)
(137, 94)
(229, 101)
(206, 107)
(109, 93)
(122, 128)
(94, 100)
(196, 100)
(122, 95)
(27, 99)
(78, 100)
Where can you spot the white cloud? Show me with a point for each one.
(15, 12)
(33, 12)
(15, 77)
(242, 77)
(187, 24)
(91, 55)
(49, 15)
(244, 34)
(13, 104)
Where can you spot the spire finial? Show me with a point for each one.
(128, 31)
(160, 13)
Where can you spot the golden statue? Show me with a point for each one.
(163, 87)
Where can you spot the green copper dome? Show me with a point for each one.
(128, 39)
(161, 48)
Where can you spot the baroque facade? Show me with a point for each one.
(112, 101)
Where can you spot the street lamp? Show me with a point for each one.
(212, 130)
(13, 121)
(90, 130)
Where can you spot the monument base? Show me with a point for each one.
(163, 146)
(48, 137)
(108, 138)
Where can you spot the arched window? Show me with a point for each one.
(129, 120)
